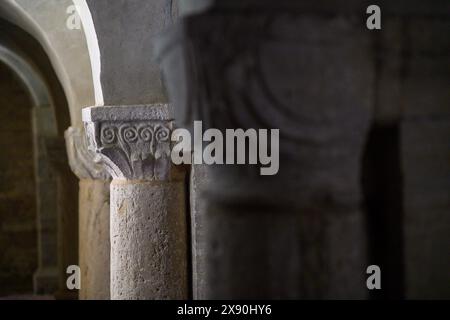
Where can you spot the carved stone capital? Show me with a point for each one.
(134, 142)
(84, 163)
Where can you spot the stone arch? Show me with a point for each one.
(67, 50)
(30, 78)
(24, 56)
(93, 47)
(44, 127)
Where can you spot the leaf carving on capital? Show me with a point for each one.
(84, 163)
(134, 150)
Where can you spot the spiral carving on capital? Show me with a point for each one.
(139, 142)
(134, 149)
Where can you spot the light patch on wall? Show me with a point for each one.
(93, 47)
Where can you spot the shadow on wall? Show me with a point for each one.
(18, 238)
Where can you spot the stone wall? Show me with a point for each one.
(18, 249)
(412, 103)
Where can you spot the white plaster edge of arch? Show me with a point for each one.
(32, 27)
(30, 78)
(94, 50)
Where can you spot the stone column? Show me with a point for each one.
(425, 154)
(94, 244)
(45, 279)
(199, 182)
(148, 222)
(277, 65)
(67, 207)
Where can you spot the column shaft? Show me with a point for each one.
(148, 240)
(94, 244)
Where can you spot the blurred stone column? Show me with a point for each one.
(67, 207)
(93, 223)
(148, 222)
(199, 182)
(277, 65)
(424, 91)
(413, 99)
(45, 279)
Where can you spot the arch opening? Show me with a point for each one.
(38, 110)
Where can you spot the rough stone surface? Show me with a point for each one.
(94, 244)
(127, 113)
(198, 185)
(148, 240)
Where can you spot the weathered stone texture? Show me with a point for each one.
(94, 244)
(199, 182)
(148, 240)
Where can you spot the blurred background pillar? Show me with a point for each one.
(277, 65)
